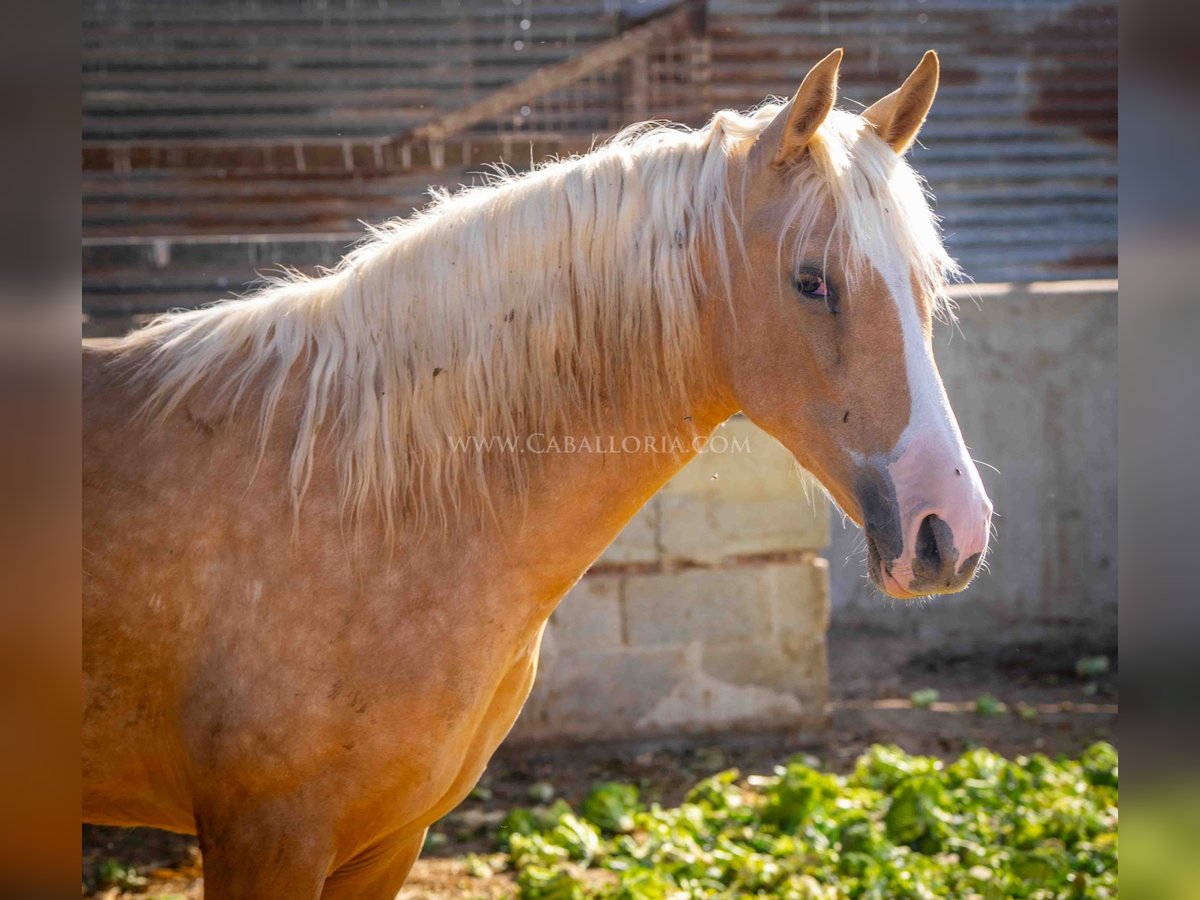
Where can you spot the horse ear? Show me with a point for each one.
(808, 109)
(899, 116)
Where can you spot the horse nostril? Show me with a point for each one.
(926, 554)
(935, 558)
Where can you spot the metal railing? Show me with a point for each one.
(658, 69)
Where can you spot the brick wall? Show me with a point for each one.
(708, 613)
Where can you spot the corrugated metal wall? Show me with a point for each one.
(239, 69)
(1020, 147)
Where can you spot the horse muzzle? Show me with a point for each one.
(927, 519)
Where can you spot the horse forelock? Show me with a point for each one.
(881, 206)
(490, 312)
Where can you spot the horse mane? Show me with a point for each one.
(506, 308)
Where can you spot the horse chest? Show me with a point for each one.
(431, 768)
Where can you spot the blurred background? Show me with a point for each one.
(226, 136)
(732, 621)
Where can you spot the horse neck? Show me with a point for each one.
(576, 503)
(572, 503)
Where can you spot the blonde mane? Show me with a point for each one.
(509, 308)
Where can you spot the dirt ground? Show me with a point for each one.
(1050, 708)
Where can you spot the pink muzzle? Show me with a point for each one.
(927, 517)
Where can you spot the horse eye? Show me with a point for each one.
(813, 285)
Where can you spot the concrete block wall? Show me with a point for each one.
(708, 613)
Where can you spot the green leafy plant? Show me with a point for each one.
(114, 873)
(1091, 666)
(897, 826)
(924, 698)
(987, 705)
(611, 806)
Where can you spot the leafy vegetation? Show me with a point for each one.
(113, 873)
(924, 698)
(987, 705)
(898, 826)
(1091, 666)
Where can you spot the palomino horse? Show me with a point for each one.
(311, 616)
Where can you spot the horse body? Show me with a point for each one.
(318, 709)
(309, 621)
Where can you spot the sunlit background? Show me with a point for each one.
(228, 138)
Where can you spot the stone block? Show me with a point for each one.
(638, 541)
(742, 461)
(800, 599)
(709, 529)
(698, 604)
(589, 696)
(768, 665)
(745, 496)
(764, 696)
(707, 650)
(589, 616)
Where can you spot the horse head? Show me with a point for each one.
(825, 340)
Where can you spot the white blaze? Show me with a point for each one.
(930, 467)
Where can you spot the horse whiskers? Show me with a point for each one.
(980, 462)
